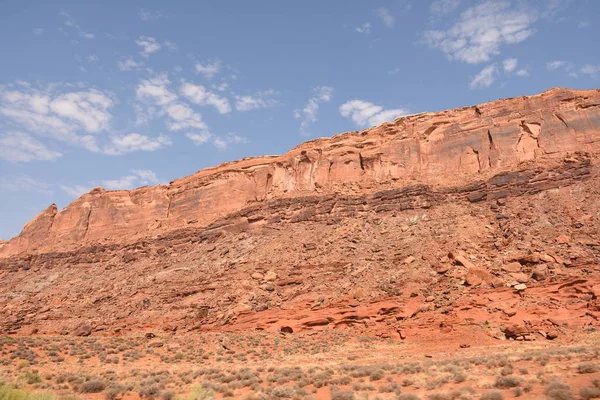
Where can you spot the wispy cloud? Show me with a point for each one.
(38, 31)
(590, 69)
(137, 178)
(223, 142)
(365, 114)
(155, 92)
(552, 65)
(129, 64)
(209, 69)
(147, 15)
(308, 115)
(71, 23)
(386, 17)
(510, 64)
(198, 94)
(562, 65)
(75, 190)
(485, 77)
(24, 184)
(199, 138)
(440, 8)
(134, 142)
(261, 99)
(481, 31)
(148, 44)
(20, 147)
(58, 112)
(364, 28)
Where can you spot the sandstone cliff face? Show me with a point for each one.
(439, 149)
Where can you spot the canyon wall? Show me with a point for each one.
(440, 149)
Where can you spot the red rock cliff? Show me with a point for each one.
(439, 149)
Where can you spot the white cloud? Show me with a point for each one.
(138, 177)
(321, 94)
(443, 7)
(20, 147)
(24, 184)
(148, 44)
(38, 31)
(510, 64)
(589, 69)
(364, 28)
(129, 64)
(70, 22)
(485, 77)
(365, 114)
(481, 31)
(386, 17)
(135, 142)
(210, 69)
(183, 117)
(146, 15)
(156, 91)
(261, 99)
(199, 138)
(522, 72)
(170, 45)
(57, 112)
(75, 190)
(584, 25)
(198, 94)
(223, 142)
(552, 65)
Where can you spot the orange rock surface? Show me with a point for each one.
(445, 148)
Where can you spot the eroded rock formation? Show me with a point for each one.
(441, 149)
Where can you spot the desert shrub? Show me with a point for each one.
(558, 391)
(92, 386)
(342, 395)
(507, 382)
(439, 396)
(587, 368)
(517, 392)
(282, 392)
(492, 395)
(149, 390)
(376, 375)
(587, 393)
(167, 395)
(407, 396)
(111, 393)
(32, 377)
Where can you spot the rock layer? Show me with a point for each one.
(442, 149)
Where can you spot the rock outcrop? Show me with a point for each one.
(441, 149)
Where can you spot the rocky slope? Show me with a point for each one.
(479, 222)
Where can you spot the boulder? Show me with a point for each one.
(540, 272)
(478, 276)
(563, 239)
(520, 287)
(82, 330)
(520, 277)
(512, 267)
(270, 276)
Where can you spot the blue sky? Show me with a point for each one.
(132, 93)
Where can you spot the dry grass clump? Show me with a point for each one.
(492, 395)
(587, 368)
(557, 390)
